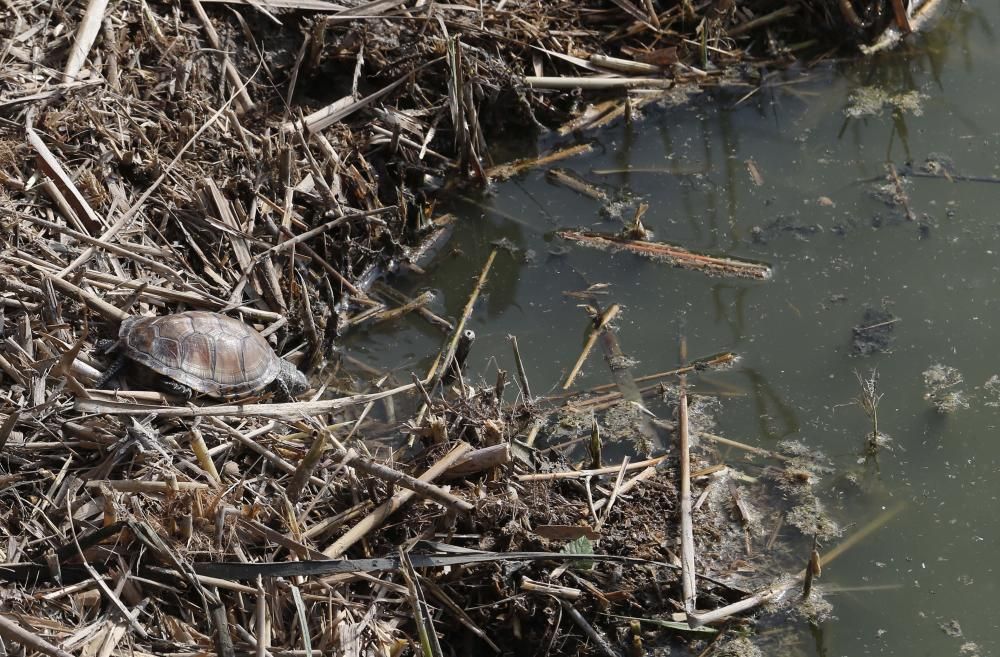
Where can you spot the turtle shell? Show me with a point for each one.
(211, 353)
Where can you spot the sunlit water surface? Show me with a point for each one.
(837, 248)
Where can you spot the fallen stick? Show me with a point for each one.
(48, 162)
(766, 19)
(138, 486)
(292, 410)
(626, 66)
(479, 460)
(521, 376)
(901, 194)
(247, 440)
(675, 255)
(246, 103)
(575, 183)
(743, 446)
(377, 315)
(86, 34)
(16, 634)
(511, 169)
(395, 295)
(687, 528)
(778, 591)
(422, 488)
(580, 474)
(443, 361)
(621, 372)
(596, 638)
(379, 515)
(704, 363)
(596, 83)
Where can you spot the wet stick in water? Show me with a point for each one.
(712, 361)
(440, 365)
(675, 255)
(511, 169)
(778, 591)
(621, 372)
(600, 322)
(521, 376)
(814, 569)
(901, 194)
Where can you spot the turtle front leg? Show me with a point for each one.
(113, 369)
(281, 391)
(175, 388)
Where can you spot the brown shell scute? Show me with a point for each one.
(210, 353)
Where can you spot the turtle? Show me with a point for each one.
(203, 352)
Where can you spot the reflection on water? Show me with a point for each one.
(820, 217)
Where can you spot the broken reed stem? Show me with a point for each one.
(139, 486)
(307, 465)
(251, 444)
(378, 315)
(813, 569)
(596, 83)
(580, 474)
(479, 460)
(712, 361)
(246, 103)
(901, 194)
(29, 639)
(380, 514)
(422, 488)
(564, 592)
(654, 20)
(743, 446)
(8, 426)
(204, 459)
(511, 169)
(598, 325)
(522, 377)
(628, 485)
(101, 306)
(291, 410)
(444, 359)
(443, 362)
(588, 629)
(86, 34)
(614, 495)
(778, 591)
(687, 528)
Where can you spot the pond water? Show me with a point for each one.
(838, 248)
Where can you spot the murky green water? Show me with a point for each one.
(837, 248)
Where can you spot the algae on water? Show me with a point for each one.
(870, 101)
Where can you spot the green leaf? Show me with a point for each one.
(580, 545)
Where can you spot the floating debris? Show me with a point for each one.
(875, 333)
(938, 381)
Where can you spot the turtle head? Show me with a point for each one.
(291, 379)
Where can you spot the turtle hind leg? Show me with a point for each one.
(175, 388)
(113, 369)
